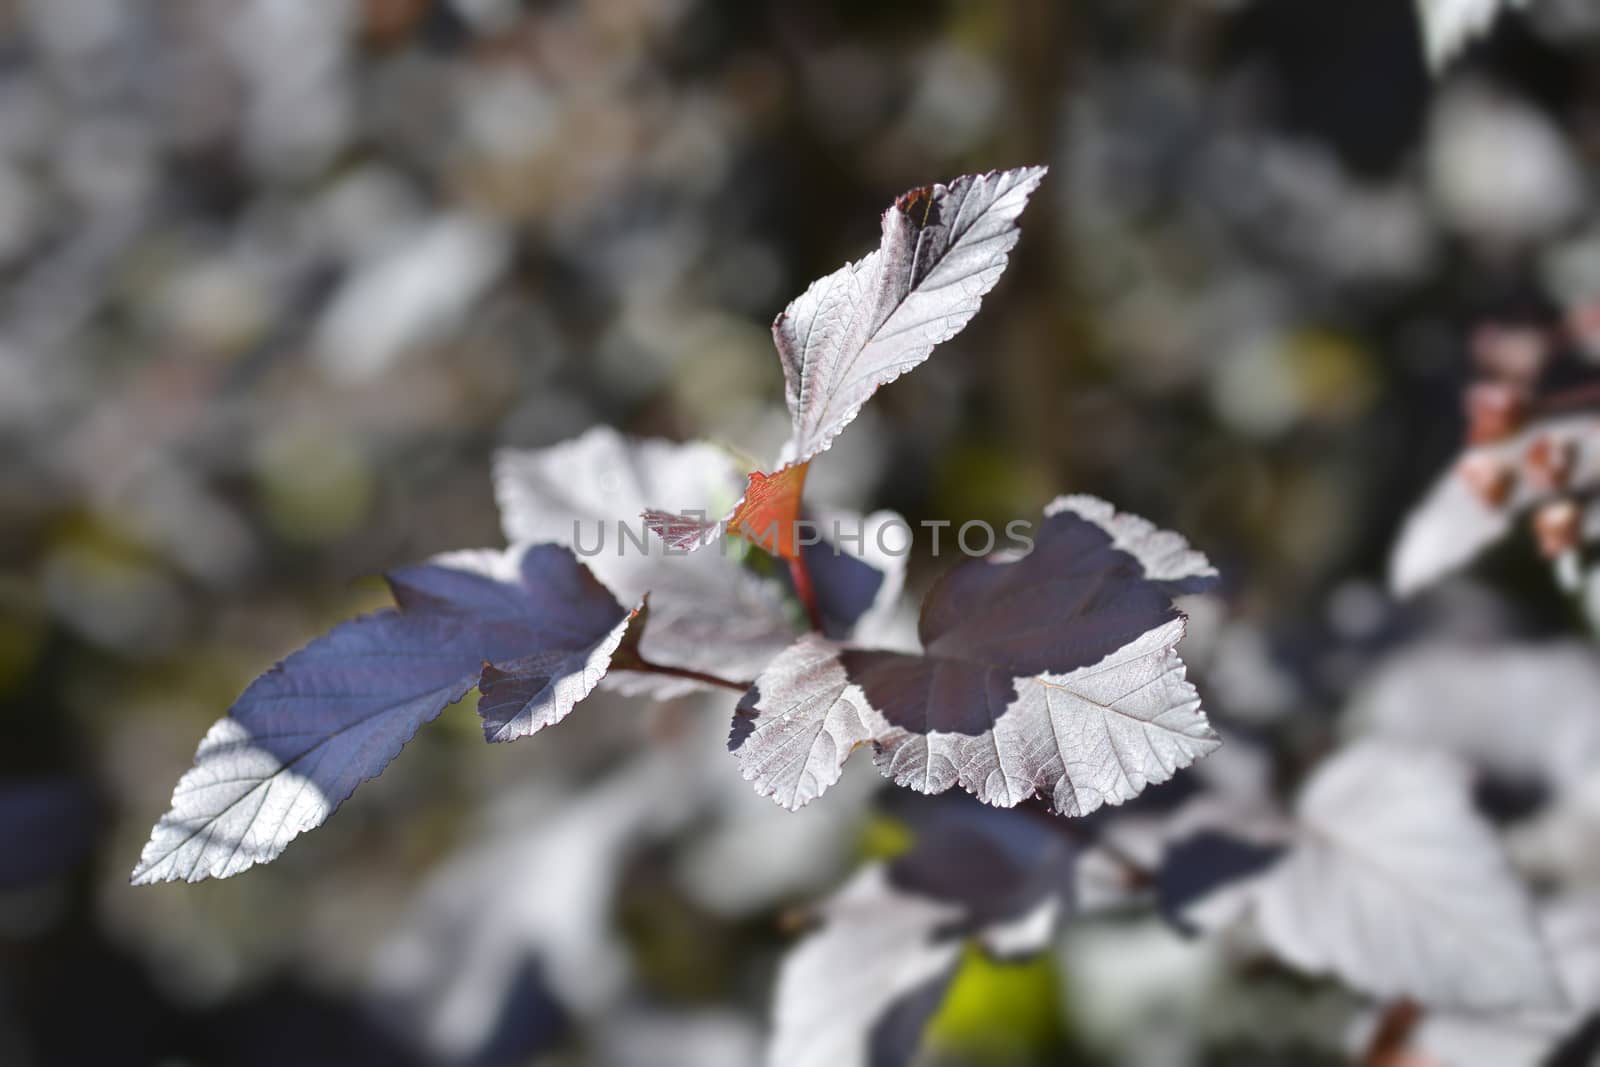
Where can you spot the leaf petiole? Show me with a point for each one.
(633, 661)
(806, 591)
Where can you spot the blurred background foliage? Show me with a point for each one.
(280, 274)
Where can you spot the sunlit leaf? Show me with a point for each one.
(943, 248)
(333, 714)
(877, 949)
(1056, 673)
(1477, 501)
(1397, 886)
(1567, 1037)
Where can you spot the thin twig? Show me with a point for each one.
(644, 666)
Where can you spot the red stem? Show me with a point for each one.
(806, 591)
(628, 658)
(646, 667)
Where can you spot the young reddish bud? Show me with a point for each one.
(1495, 411)
(1489, 477)
(1558, 527)
(1513, 354)
(1548, 463)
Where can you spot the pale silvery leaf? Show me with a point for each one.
(1165, 556)
(1449, 529)
(447, 974)
(1449, 25)
(306, 733)
(707, 612)
(1456, 522)
(1567, 1037)
(1520, 713)
(877, 947)
(861, 989)
(1397, 886)
(943, 248)
(1560, 842)
(1056, 673)
(1467, 1039)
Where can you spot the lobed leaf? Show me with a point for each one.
(310, 730)
(1397, 886)
(1055, 673)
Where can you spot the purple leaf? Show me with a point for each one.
(858, 580)
(1055, 673)
(333, 714)
(846, 587)
(996, 865)
(1165, 557)
(1204, 863)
